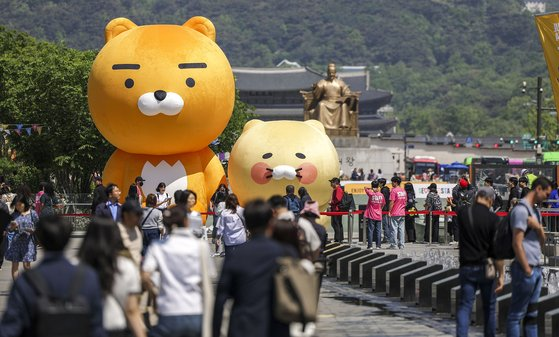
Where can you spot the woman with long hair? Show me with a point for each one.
(102, 249)
(194, 217)
(152, 222)
(410, 207)
(163, 200)
(304, 196)
(217, 205)
(231, 229)
(48, 201)
(287, 233)
(21, 243)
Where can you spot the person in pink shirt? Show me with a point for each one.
(373, 214)
(397, 210)
(38, 204)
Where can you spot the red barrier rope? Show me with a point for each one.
(357, 212)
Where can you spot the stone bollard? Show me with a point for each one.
(332, 259)
(342, 268)
(353, 266)
(393, 277)
(440, 297)
(423, 286)
(407, 281)
(378, 273)
(365, 269)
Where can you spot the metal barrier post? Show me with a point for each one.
(350, 227)
(430, 227)
(365, 237)
(445, 228)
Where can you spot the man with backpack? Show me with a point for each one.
(292, 201)
(335, 206)
(462, 196)
(528, 237)
(56, 298)
(478, 226)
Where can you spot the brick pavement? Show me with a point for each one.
(345, 311)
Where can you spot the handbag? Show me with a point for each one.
(295, 292)
(488, 263)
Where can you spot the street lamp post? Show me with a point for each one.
(539, 109)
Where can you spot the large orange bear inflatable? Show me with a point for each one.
(161, 94)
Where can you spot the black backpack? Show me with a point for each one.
(502, 242)
(347, 202)
(61, 317)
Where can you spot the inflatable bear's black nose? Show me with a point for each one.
(160, 95)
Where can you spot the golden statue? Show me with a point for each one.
(333, 104)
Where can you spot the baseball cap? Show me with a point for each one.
(139, 178)
(335, 180)
(464, 183)
(396, 180)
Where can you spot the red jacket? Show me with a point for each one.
(337, 195)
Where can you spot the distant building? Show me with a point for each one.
(274, 92)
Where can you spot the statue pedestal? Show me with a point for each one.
(342, 132)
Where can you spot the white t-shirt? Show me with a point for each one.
(179, 265)
(127, 282)
(161, 197)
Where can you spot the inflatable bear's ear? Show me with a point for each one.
(201, 25)
(252, 123)
(316, 124)
(117, 26)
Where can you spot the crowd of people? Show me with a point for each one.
(136, 262)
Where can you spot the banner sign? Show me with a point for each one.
(548, 30)
(421, 189)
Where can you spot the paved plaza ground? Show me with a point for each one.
(346, 310)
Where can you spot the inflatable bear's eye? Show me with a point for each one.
(300, 155)
(266, 155)
(190, 82)
(129, 83)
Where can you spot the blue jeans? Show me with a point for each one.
(178, 326)
(375, 231)
(398, 231)
(471, 279)
(150, 235)
(524, 301)
(387, 228)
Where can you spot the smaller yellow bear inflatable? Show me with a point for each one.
(268, 156)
